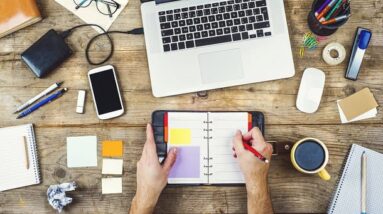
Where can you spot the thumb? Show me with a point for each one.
(170, 159)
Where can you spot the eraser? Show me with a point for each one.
(80, 102)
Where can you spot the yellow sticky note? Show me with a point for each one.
(180, 136)
(112, 149)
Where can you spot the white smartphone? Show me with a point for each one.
(105, 91)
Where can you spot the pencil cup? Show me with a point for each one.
(319, 28)
(310, 156)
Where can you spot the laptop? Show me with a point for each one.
(198, 45)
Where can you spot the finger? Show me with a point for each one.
(254, 134)
(238, 143)
(170, 159)
(267, 151)
(150, 145)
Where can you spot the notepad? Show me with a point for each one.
(82, 151)
(111, 185)
(18, 157)
(112, 148)
(204, 145)
(112, 166)
(347, 197)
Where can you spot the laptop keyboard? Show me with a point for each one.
(214, 23)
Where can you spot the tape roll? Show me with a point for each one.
(340, 52)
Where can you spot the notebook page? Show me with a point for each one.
(224, 167)
(347, 198)
(13, 168)
(186, 132)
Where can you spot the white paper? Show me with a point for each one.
(111, 185)
(91, 15)
(112, 166)
(369, 114)
(82, 151)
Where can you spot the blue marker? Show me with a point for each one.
(362, 39)
(42, 103)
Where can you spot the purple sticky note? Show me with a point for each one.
(187, 164)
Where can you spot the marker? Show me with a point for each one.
(255, 152)
(42, 94)
(326, 9)
(336, 19)
(42, 103)
(334, 9)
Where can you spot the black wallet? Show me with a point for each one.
(46, 54)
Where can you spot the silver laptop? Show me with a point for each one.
(198, 45)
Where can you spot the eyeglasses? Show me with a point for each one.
(105, 7)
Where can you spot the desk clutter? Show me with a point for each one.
(203, 138)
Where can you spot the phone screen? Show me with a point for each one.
(105, 91)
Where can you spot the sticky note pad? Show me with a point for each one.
(179, 136)
(112, 149)
(111, 185)
(358, 103)
(112, 166)
(82, 151)
(187, 164)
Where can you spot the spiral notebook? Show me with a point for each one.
(347, 197)
(204, 145)
(18, 157)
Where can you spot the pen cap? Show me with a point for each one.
(317, 27)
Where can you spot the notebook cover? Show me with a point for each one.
(159, 127)
(17, 14)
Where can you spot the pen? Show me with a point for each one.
(364, 182)
(322, 7)
(335, 20)
(337, 5)
(42, 103)
(42, 94)
(255, 152)
(326, 9)
(26, 152)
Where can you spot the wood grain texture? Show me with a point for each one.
(291, 191)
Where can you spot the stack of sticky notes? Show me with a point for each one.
(112, 164)
(359, 106)
(82, 151)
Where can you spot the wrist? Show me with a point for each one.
(255, 186)
(144, 203)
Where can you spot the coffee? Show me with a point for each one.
(310, 155)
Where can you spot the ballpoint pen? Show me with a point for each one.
(42, 94)
(42, 103)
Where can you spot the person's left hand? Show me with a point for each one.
(152, 177)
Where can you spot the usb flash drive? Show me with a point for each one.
(80, 102)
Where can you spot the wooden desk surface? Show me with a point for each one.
(291, 191)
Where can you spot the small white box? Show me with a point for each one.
(80, 101)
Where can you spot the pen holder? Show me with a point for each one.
(319, 28)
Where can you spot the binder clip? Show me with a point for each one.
(361, 41)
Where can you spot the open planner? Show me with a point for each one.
(204, 144)
(18, 157)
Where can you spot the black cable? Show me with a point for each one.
(68, 32)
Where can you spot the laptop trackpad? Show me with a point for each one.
(221, 66)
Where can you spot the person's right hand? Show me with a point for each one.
(254, 170)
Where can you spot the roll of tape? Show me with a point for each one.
(340, 52)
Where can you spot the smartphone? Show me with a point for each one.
(105, 91)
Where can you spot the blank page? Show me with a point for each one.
(347, 198)
(186, 131)
(223, 166)
(13, 168)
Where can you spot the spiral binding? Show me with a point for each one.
(33, 149)
(339, 183)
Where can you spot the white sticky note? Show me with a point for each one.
(82, 151)
(111, 185)
(369, 114)
(112, 166)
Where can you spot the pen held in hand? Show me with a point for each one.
(255, 152)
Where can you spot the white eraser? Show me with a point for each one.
(80, 101)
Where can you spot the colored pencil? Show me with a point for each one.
(335, 20)
(337, 5)
(326, 9)
(255, 152)
(322, 7)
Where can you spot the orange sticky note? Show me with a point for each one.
(112, 149)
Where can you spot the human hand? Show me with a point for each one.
(152, 177)
(254, 170)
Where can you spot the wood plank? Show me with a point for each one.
(291, 191)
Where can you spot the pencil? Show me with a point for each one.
(326, 9)
(364, 182)
(26, 152)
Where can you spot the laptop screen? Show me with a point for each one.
(163, 1)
